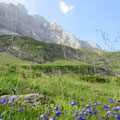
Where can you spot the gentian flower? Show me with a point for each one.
(43, 116)
(52, 118)
(96, 104)
(10, 103)
(26, 85)
(76, 110)
(74, 115)
(117, 108)
(88, 105)
(111, 100)
(20, 109)
(3, 101)
(83, 110)
(81, 113)
(108, 112)
(57, 113)
(85, 113)
(30, 89)
(117, 117)
(73, 103)
(106, 107)
(79, 118)
(12, 99)
(56, 108)
(1, 119)
(113, 112)
(89, 111)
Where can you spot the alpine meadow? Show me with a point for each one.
(47, 73)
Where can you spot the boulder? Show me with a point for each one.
(29, 99)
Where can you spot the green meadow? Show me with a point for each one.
(61, 85)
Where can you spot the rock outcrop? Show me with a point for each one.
(16, 21)
(29, 99)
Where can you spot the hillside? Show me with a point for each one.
(28, 49)
(16, 21)
(38, 51)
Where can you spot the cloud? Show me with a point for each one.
(65, 8)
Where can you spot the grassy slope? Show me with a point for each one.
(52, 51)
(63, 91)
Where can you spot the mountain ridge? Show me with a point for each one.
(16, 21)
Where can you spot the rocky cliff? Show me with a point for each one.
(16, 21)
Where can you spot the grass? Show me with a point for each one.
(62, 88)
(66, 81)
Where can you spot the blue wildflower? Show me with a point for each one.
(85, 113)
(52, 118)
(95, 112)
(30, 89)
(12, 99)
(1, 119)
(99, 111)
(108, 112)
(3, 101)
(106, 107)
(26, 85)
(117, 117)
(83, 110)
(10, 103)
(20, 109)
(88, 105)
(117, 108)
(96, 104)
(111, 100)
(79, 118)
(74, 115)
(43, 116)
(56, 108)
(89, 110)
(76, 111)
(73, 103)
(81, 113)
(113, 112)
(57, 113)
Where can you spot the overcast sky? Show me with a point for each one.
(80, 17)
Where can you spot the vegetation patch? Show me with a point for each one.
(93, 78)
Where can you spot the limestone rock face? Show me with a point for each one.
(16, 21)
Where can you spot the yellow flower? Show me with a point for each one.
(0, 89)
(29, 84)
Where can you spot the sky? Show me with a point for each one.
(83, 18)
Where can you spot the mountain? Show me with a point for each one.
(15, 20)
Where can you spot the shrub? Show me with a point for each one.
(93, 78)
